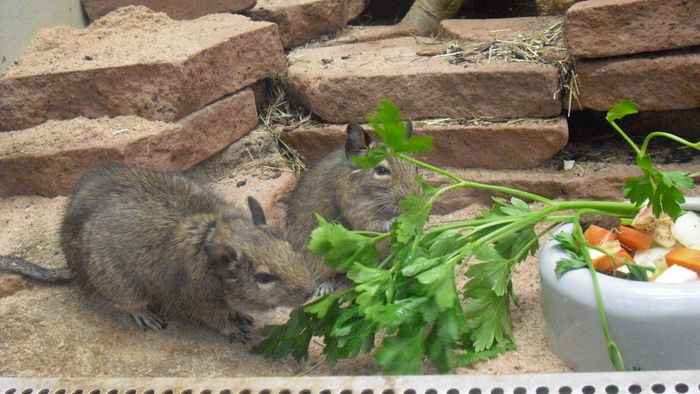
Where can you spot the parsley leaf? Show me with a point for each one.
(340, 246)
(620, 110)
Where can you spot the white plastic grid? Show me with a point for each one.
(657, 382)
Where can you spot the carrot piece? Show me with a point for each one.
(596, 235)
(605, 264)
(685, 257)
(634, 239)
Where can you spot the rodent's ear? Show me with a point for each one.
(257, 212)
(409, 128)
(220, 256)
(357, 140)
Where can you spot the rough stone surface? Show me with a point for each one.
(176, 9)
(300, 21)
(606, 28)
(357, 34)
(136, 62)
(51, 158)
(512, 145)
(344, 83)
(656, 83)
(355, 8)
(487, 30)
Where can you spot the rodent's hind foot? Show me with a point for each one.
(238, 328)
(146, 320)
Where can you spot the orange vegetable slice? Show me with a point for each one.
(634, 239)
(596, 235)
(685, 257)
(605, 264)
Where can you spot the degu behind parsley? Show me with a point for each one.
(407, 307)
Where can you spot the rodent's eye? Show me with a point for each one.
(381, 170)
(265, 278)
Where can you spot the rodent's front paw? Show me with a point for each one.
(148, 320)
(324, 288)
(238, 327)
(240, 335)
(241, 320)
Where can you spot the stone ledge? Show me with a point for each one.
(300, 21)
(176, 9)
(51, 158)
(136, 62)
(655, 83)
(344, 83)
(485, 31)
(509, 145)
(607, 28)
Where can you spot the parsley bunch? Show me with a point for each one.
(408, 308)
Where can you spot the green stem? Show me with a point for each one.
(522, 252)
(670, 136)
(613, 350)
(476, 185)
(627, 138)
(473, 224)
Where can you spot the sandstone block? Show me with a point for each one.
(176, 9)
(487, 30)
(344, 83)
(136, 62)
(512, 145)
(51, 158)
(606, 28)
(656, 83)
(300, 21)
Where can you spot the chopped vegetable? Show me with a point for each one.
(658, 227)
(596, 235)
(685, 257)
(653, 258)
(687, 230)
(677, 274)
(604, 263)
(634, 239)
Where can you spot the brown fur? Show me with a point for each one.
(147, 241)
(338, 190)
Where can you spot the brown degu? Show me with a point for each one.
(154, 244)
(339, 190)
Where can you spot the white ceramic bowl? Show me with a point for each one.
(656, 326)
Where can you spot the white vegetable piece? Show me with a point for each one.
(651, 258)
(677, 274)
(686, 230)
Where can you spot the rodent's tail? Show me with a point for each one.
(31, 270)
